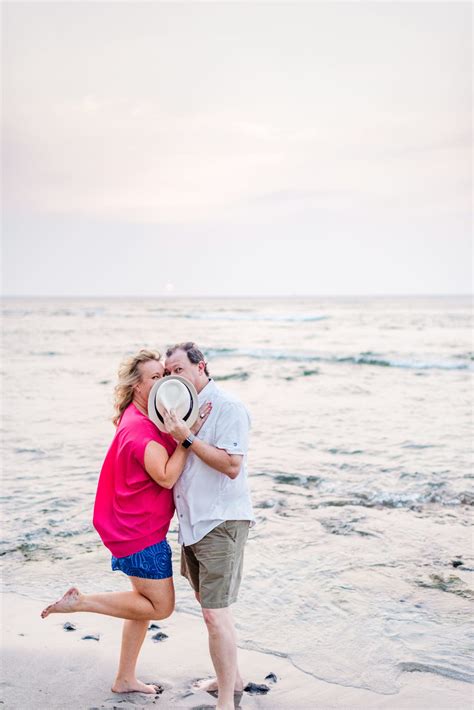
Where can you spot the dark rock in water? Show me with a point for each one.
(255, 689)
(271, 677)
(270, 503)
(91, 637)
(452, 585)
(69, 627)
(153, 626)
(160, 636)
(457, 563)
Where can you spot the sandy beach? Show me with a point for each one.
(45, 667)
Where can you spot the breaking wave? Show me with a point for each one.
(283, 318)
(366, 358)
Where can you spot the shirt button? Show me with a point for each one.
(178, 496)
(180, 515)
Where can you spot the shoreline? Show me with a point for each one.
(45, 666)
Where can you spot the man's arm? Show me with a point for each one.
(219, 459)
(229, 464)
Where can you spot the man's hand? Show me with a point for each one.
(204, 411)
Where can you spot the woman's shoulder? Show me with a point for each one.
(132, 424)
(135, 424)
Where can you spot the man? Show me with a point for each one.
(215, 511)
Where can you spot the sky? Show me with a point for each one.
(244, 148)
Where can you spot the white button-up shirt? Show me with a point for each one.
(204, 497)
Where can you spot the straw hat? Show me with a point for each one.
(173, 392)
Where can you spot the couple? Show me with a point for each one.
(146, 473)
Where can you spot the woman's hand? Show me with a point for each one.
(178, 429)
(204, 411)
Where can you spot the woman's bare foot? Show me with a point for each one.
(134, 686)
(221, 706)
(68, 603)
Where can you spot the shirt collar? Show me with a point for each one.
(207, 391)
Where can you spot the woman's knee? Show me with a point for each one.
(160, 594)
(162, 609)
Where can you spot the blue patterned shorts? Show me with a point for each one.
(153, 562)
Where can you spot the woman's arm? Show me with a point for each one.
(165, 470)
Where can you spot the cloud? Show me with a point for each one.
(127, 160)
(167, 116)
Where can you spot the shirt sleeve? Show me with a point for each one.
(232, 429)
(142, 437)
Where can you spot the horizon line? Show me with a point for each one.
(170, 296)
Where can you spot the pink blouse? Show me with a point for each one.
(131, 510)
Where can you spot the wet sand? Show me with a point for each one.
(46, 667)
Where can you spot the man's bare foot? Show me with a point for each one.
(209, 685)
(206, 684)
(68, 603)
(134, 686)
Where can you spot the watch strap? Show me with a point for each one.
(188, 441)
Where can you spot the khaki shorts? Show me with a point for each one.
(214, 564)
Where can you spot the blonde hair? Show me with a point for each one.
(129, 375)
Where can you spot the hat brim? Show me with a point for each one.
(155, 415)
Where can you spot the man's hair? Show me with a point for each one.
(192, 351)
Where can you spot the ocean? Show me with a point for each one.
(360, 566)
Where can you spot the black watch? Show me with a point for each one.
(188, 441)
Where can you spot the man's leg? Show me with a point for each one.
(219, 557)
(223, 650)
(211, 685)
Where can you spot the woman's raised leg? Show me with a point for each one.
(150, 599)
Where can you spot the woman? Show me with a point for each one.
(132, 513)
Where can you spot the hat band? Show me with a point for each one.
(186, 416)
